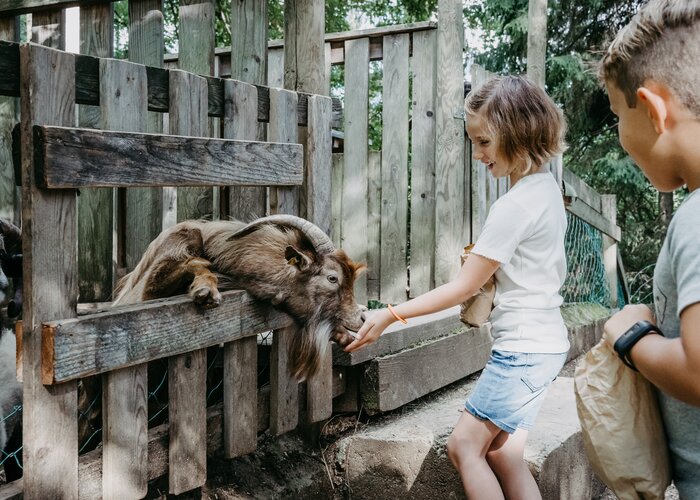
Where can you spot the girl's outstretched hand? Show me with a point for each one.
(371, 330)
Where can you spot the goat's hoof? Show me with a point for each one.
(206, 297)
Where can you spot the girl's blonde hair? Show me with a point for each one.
(528, 127)
(661, 43)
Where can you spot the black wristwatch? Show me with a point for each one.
(627, 340)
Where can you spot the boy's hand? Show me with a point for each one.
(371, 330)
(620, 322)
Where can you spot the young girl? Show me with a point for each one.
(514, 128)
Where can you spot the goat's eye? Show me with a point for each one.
(332, 278)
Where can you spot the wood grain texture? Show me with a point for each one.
(124, 393)
(129, 335)
(187, 415)
(303, 51)
(95, 206)
(283, 129)
(449, 153)
(48, 28)
(9, 112)
(50, 430)
(284, 390)
(374, 223)
(396, 379)
(245, 202)
(337, 201)
(422, 235)
(584, 192)
(353, 222)
(240, 406)
(188, 117)
(317, 163)
(394, 207)
(16, 7)
(93, 158)
(248, 51)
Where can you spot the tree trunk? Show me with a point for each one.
(665, 211)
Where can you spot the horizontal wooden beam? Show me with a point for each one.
(87, 87)
(399, 336)
(73, 158)
(16, 7)
(396, 379)
(583, 191)
(134, 334)
(587, 214)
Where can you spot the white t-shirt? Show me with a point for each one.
(524, 231)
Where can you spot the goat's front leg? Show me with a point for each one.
(171, 276)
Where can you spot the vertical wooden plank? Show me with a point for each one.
(196, 55)
(249, 41)
(374, 223)
(319, 388)
(241, 122)
(284, 390)
(240, 397)
(304, 69)
(337, 199)
(327, 68)
(187, 387)
(283, 128)
(143, 208)
(275, 68)
(123, 101)
(188, 116)
(353, 230)
(187, 373)
(479, 181)
(394, 211)
(536, 40)
(9, 106)
(50, 430)
(609, 211)
(240, 357)
(449, 153)
(95, 206)
(423, 163)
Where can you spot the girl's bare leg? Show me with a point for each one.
(505, 457)
(467, 447)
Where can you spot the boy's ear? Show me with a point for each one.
(656, 107)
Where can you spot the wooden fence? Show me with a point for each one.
(420, 198)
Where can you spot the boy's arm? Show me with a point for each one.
(673, 365)
(472, 276)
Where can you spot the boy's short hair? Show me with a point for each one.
(660, 43)
(523, 119)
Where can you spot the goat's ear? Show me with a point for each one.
(296, 258)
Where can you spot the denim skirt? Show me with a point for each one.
(512, 387)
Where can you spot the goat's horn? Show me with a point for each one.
(9, 229)
(320, 240)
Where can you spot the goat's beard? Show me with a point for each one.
(308, 347)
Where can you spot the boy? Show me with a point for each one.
(653, 81)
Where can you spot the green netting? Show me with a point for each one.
(585, 279)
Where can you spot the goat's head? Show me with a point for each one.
(311, 280)
(11, 267)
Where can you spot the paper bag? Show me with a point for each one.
(476, 310)
(623, 432)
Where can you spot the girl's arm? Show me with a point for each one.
(472, 276)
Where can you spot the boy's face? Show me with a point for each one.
(641, 141)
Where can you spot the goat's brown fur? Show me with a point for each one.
(274, 262)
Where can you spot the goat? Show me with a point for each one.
(10, 388)
(281, 259)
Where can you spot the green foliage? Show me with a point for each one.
(577, 33)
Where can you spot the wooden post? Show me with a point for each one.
(95, 206)
(9, 107)
(609, 211)
(449, 153)
(49, 219)
(394, 211)
(196, 55)
(187, 373)
(536, 40)
(423, 163)
(353, 219)
(123, 101)
(143, 208)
